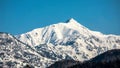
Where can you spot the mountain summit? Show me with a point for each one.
(55, 33)
(71, 20)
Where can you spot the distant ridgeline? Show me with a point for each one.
(109, 59)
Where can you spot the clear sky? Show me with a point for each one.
(20, 16)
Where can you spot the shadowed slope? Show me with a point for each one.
(109, 59)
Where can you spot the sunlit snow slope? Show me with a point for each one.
(69, 40)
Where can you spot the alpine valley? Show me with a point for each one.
(42, 47)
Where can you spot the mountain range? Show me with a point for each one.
(42, 47)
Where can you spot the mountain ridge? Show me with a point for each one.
(58, 29)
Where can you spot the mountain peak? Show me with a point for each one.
(73, 22)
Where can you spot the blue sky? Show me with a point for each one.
(20, 16)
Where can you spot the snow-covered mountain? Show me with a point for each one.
(43, 46)
(69, 40)
(15, 54)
